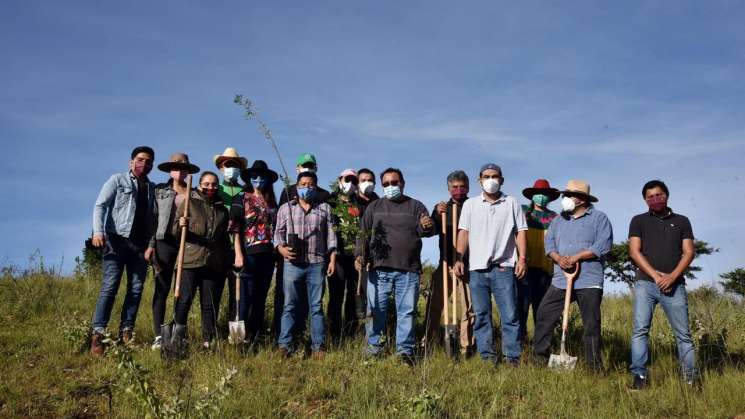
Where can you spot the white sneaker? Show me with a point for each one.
(157, 343)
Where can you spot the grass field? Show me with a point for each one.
(46, 372)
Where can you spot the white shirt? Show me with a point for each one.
(492, 227)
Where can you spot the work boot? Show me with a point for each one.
(639, 383)
(97, 347)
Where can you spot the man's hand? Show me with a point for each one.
(98, 240)
(441, 207)
(238, 262)
(149, 252)
(426, 222)
(520, 268)
(183, 222)
(331, 270)
(286, 251)
(459, 269)
(358, 264)
(565, 262)
(664, 282)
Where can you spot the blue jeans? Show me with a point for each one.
(118, 254)
(499, 282)
(405, 288)
(303, 287)
(675, 305)
(255, 278)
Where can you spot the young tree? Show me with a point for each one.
(620, 268)
(734, 281)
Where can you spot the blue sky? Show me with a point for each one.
(615, 94)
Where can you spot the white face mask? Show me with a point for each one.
(567, 204)
(231, 173)
(490, 185)
(366, 187)
(348, 187)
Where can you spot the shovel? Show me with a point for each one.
(173, 334)
(452, 334)
(563, 360)
(237, 328)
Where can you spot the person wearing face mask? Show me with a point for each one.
(390, 245)
(121, 226)
(230, 164)
(206, 257)
(366, 188)
(661, 244)
(492, 228)
(531, 290)
(163, 247)
(306, 162)
(312, 256)
(580, 237)
(252, 226)
(458, 187)
(347, 210)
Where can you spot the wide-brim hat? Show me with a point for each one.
(259, 168)
(579, 187)
(178, 161)
(230, 154)
(541, 186)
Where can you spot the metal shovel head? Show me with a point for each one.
(173, 345)
(237, 331)
(562, 361)
(452, 341)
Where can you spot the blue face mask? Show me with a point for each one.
(306, 194)
(392, 192)
(259, 182)
(540, 200)
(231, 173)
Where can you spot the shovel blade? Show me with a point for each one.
(452, 342)
(562, 361)
(237, 332)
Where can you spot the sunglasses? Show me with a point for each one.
(351, 179)
(391, 183)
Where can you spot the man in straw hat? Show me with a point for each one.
(530, 291)
(583, 235)
(120, 225)
(163, 247)
(230, 164)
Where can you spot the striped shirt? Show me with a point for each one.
(314, 228)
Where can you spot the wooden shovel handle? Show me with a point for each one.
(182, 244)
(454, 249)
(568, 296)
(444, 230)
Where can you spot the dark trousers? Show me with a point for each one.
(210, 284)
(256, 277)
(530, 292)
(166, 253)
(548, 316)
(343, 297)
(279, 296)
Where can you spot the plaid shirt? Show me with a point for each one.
(314, 227)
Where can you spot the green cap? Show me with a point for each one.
(306, 158)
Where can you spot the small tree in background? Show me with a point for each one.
(734, 281)
(620, 268)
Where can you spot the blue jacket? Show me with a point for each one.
(114, 211)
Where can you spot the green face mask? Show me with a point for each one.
(540, 200)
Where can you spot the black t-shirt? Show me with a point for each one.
(139, 224)
(448, 237)
(662, 240)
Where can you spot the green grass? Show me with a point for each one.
(45, 373)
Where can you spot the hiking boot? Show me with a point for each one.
(97, 347)
(318, 355)
(639, 383)
(126, 336)
(157, 343)
(283, 352)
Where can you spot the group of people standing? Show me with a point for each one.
(367, 250)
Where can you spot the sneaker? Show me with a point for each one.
(97, 347)
(127, 336)
(639, 383)
(157, 343)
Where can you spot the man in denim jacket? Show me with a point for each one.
(121, 228)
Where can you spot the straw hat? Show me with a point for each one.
(579, 187)
(230, 154)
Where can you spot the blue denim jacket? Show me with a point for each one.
(115, 206)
